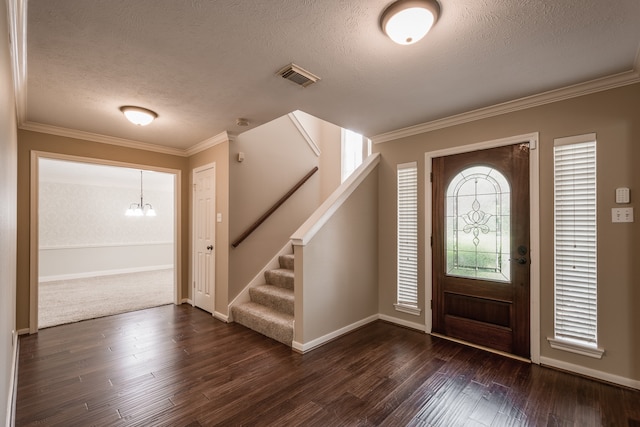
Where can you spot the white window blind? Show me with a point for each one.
(575, 239)
(408, 234)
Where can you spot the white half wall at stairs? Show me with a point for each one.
(336, 259)
(328, 208)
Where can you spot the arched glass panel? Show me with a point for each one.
(477, 217)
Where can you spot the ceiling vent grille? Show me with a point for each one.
(298, 75)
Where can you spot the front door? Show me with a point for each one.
(481, 248)
(204, 238)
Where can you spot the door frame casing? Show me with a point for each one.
(34, 236)
(192, 274)
(534, 228)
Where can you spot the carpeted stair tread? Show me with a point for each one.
(275, 297)
(271, 307)
(265, 320)
(286, 261)
(281, 277)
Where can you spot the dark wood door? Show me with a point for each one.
(481, 247)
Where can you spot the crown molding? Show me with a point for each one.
(209, 142)
(104, 139)
(17, 17)
(122, 142)
(573, 91)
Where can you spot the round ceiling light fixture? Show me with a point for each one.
(408, 21)
(138, 115)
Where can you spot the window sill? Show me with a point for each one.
(576, 347)
(409, 309)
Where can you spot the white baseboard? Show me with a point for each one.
(401, 322)
(220, 316)
(87, 274)
(186, 301)
(24, 331)
(588, 372)
(13, 383)
(304, 347)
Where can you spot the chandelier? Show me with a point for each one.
(142, 208)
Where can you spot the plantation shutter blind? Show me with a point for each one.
(575, 239)
(408, 234)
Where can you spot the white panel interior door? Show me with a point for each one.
(204, 238)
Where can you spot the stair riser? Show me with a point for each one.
(281, 333)
(286, 261)
(272, 301)
(278, 278)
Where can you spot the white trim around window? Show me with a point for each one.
(575, 246)
(407, 234)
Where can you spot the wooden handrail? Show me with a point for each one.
(273, 208)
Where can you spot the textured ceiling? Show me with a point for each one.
(201, 64)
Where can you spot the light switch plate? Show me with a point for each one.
(622, 215)
(622, 195)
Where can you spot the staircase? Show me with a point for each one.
(270, 311)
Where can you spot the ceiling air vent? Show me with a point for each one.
(298, 75)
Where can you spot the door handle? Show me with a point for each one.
(521, 260)
(210, 247)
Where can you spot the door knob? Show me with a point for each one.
(210, 247)
(521, 260)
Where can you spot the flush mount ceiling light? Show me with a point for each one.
(138, 115)
(408, 21)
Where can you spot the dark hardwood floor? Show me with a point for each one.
(177, 366)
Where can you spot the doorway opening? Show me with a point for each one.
(204, 237)
(531, 142)
(90, 257)
(480, 247)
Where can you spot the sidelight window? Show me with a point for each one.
(408, 238)
(575, 242)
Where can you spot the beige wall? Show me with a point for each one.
(29, 141)
(338, 268)
(276, 158)
(8, 221)
(328, 137)
(614, 115)
(219, 155)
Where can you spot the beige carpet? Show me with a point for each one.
(68, 301)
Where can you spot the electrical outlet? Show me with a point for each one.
(622, 215)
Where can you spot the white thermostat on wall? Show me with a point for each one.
(622, 195)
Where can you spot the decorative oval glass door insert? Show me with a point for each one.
(477, 217)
